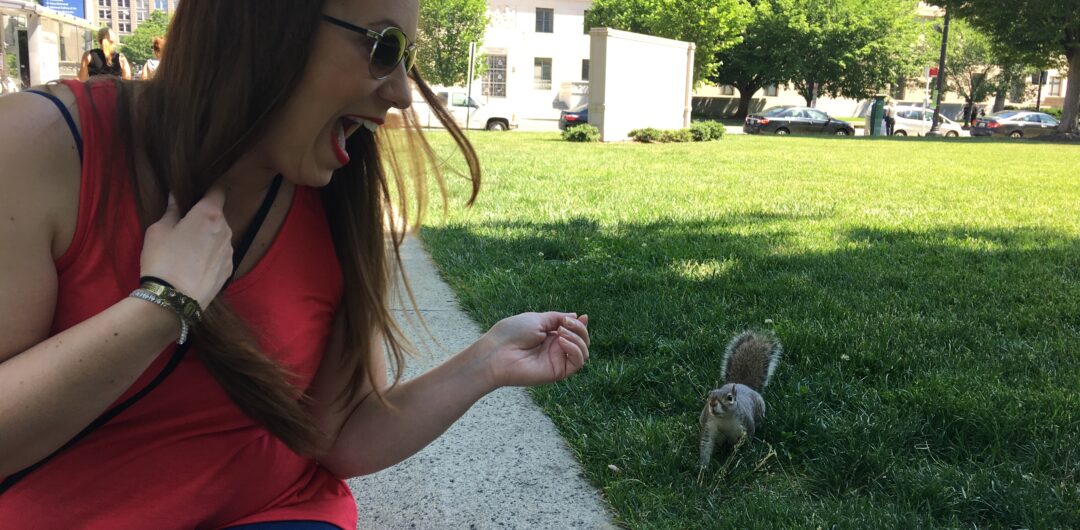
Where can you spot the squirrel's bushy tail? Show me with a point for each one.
(750, 359)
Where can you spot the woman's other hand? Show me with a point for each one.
(537, 348)
(193, 253)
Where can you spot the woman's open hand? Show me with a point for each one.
(537, 348)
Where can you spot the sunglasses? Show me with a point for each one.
(391, 48)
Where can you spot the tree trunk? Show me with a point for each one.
(746, 97)
(1072, 95)
(809, 93)
(999, 99)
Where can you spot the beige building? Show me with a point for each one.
(123, 16)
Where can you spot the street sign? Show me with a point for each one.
(932, 71)
(75, 8)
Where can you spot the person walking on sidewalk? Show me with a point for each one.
(195, 274)
(104, 60)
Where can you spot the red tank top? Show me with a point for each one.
(185, 456)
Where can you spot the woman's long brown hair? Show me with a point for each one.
(231, 65)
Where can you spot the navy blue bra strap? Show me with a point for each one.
(67, 116)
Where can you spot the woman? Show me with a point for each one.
(151, 64)
(120, 220)
(104, 60)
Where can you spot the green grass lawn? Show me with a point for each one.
(927, 293)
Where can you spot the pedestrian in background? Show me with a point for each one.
(105, 59)
(151, 65)
(196, 282)
(890, 120)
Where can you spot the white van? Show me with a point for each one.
(916, 121)
(465, 110)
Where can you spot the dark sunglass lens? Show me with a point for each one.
(388, 52)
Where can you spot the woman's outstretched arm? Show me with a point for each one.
(523, 350)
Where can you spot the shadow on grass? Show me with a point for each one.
(930, 375)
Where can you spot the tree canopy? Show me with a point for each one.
(446, 29)
(1038, 31)
(851, 48)
(138, 47)
(764, 56)
(712, 25)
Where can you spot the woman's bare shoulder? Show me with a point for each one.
(41, 167)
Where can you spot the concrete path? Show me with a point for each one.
(501, 466)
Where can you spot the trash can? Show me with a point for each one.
(877, 116)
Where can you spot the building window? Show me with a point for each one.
(586, 24)
(727, 90)
(494, 84)
(770, 91)
(542, 73)
(103, 14)
(584, 69)
(545, 20)
(124, 27)
(103, 3)
(1055, 86)
(161, 5)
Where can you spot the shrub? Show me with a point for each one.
(1053, 111)
(581, 133)
(676, 135)
(707, 131)
(647, 135)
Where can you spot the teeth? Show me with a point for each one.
(359, 122)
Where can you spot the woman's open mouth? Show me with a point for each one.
(346, 126)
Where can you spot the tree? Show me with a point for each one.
(1037, 30)
(851, 48)
(712, 25)
(138, 47)
(970, 65)
(763, 56)
(446, 29)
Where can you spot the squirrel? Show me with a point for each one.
(736, 409)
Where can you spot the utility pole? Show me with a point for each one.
(935, 130)
(469, 84)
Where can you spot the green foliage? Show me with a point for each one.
(138, 47)
(446, 29)
(850, 48)
(12, 64)
(970, 62)
(648, 135)
(765, 55)
(712, 25)
(928, 307)
(676, 136)
(581, 133)
(1036, 32)
(707, 131)
(698, 132)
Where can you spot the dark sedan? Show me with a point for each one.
(796, 120)
(572, 117)
(1015, 124)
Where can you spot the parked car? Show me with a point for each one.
(1015, 124)
(917, 121)
(572, 117)
(796, 120)
(465, 110)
